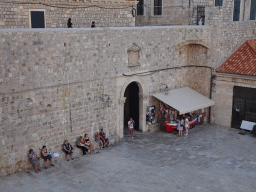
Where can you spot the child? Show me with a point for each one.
(131, 124)
(97, 139)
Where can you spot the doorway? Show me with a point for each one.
(37, 18)
(131, 106)
(244, 106)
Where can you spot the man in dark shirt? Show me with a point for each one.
(103, 138)
(93, 24)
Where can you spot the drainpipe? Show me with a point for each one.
(211, 85)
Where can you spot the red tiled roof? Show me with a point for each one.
(242, 61)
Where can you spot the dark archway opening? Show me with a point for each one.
(131, 107)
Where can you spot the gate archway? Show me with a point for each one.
(139, 98)
(131, 106)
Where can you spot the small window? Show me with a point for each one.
(253, 10)
(200, 15)
(140, 7)
(37, 19)
(218, 2)
(157, 7)
(236, 10)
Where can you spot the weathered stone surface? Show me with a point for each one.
(156, 161)
(52, 80)
(105, 13)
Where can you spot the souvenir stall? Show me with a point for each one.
(169, 115)
(182, 101)
(150, 116)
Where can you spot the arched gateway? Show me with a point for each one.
(131, 106)
(132, 103)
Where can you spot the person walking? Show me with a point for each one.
(131, 125)
(69, 24)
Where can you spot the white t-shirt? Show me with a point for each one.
(186, 122)
(130, 124)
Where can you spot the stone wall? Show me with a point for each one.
(52, 81)
(173, 13)
(104, 13)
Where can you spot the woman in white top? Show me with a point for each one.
(131, 127)
(186, 124)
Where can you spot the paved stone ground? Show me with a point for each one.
(211, 158)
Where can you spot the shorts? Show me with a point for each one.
(48, 157)
(106, 139)
(98, 141)
(131, 129)
(68, 152)
(35, 163)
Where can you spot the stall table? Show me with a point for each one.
(170, 127)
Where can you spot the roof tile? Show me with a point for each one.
(242, 61)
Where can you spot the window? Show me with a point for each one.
(140, 7)
(157, 7)
(218, 2)
(37, 19)
(200, 14)
(236, 10)
(253, 10)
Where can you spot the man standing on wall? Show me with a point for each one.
(131, 125)
(93, 25)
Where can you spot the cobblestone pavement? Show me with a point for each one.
(211, 158)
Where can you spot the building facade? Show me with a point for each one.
(55, 13)
(235, 85)
(189, 12)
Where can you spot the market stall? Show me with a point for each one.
(180, 102)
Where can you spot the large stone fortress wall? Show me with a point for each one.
(52, 81)
(105, 13)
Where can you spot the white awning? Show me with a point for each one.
(184, 100)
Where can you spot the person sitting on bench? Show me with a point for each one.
(46, 156)
(80, 144)
(103, 138)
